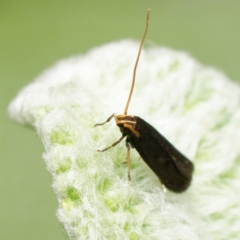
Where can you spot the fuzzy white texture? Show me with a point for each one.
(195, 107)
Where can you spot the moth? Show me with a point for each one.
(173, 169)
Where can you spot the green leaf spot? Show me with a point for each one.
(72, 194)
(61, 137)
(64, 166)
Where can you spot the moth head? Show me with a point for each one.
(124, 119)
(127, 123)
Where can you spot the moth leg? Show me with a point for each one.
(113, 145)
(128, 162)
(109, 118)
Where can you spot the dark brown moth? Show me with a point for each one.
(172, 168)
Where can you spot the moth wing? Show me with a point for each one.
(183, 164)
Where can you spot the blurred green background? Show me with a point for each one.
(35, 34)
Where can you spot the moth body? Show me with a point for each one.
(172, 168)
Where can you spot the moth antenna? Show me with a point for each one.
(136, 64)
